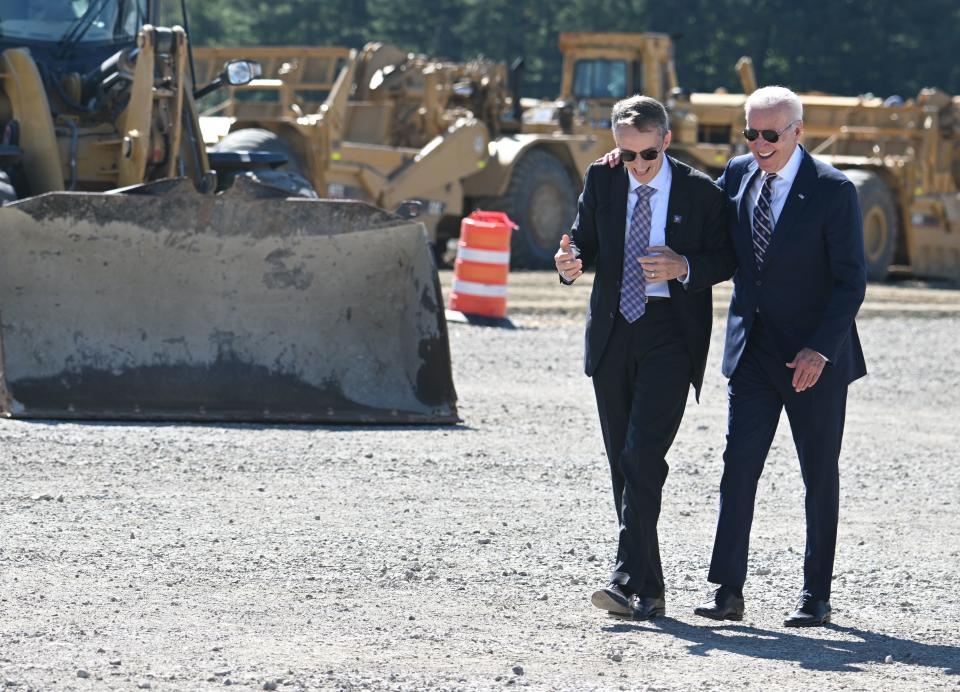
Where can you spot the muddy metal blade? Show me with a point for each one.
(172, 305)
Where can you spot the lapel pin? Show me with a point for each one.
(800, 195)
(677, 218)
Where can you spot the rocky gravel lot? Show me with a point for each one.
(193, 557)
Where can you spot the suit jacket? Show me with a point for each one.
(814, 273)
(696, 227)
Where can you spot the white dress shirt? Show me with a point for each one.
(780, 187)
(658, 224)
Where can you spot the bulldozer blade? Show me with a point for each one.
(161, 303)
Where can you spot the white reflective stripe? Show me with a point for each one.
(475, 289)
(485, 256)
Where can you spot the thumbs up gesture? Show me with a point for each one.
(568, 265)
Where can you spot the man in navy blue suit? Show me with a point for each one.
(791, 341)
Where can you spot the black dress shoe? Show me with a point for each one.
(725, 605)
(647, 607)
(612, 599)
(810, 612)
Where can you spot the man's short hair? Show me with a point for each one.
(775, 97)
(641, 112)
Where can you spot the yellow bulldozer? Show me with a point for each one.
(143, 278)
(903, 155)
(386, 126)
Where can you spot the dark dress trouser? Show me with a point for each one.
(641, 385)
(759, 390)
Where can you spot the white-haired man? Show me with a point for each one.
(791, 341)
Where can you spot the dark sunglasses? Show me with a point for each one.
(772, 136)
(650, 154)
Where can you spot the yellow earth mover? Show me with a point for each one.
(141, 278)
(386, 126)
(902, 155)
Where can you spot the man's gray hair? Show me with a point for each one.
(641, 112)
(775, 97)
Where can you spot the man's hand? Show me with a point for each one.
(568, 265)
(664, 266)
(611, 158)
(807, 367)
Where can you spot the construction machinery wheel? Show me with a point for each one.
(879, 222)
(542, 200)
(288, 177)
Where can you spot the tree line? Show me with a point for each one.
(848, 47)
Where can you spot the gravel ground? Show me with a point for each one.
(190, 557)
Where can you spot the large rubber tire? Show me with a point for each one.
(7, 193)
(289, 177)
(880, 227)
(542, 200)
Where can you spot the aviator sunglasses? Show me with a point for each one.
(772, 136)
(647, 154)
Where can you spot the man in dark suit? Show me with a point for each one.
(791, 341)
(655, 230)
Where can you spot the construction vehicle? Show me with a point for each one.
(902, 155)
(141, 278)
(386, 126)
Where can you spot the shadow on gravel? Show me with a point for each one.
(301, 427)
(808, 649)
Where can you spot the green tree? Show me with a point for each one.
(835, 46)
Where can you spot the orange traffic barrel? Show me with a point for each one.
(483, 263)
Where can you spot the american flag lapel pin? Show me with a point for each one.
(800, 195)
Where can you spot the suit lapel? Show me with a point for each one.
(743, 210)
(618, 203)
(798, 196)
(678, 201)
(744, 236)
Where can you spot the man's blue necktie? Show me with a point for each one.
(763, 220)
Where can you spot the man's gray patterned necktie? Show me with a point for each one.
(633, 291)
(763, 220)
